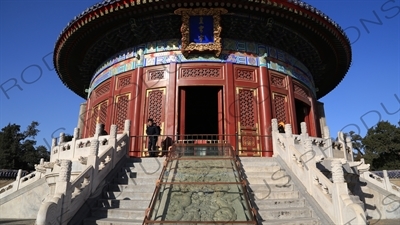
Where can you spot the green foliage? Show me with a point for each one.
(382, 146)
(17, 149)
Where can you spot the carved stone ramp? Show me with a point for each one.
(201, 189)
(126, 199)
(276, 195)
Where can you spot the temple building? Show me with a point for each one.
(222, 68)
(234, 86)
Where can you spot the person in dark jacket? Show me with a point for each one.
(281, 127)
(152, 133)
(102, 130)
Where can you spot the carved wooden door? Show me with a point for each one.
(98, 115)
(154, 109)
(248, 126)
(122, 106)
(280, 108)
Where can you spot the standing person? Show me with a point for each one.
(281, 127)
(102, 130)
(151, 131)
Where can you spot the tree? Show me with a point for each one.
(382, 146)
(17, 149)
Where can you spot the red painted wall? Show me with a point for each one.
(251, 97)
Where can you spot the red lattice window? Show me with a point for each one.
(93, 122)
(200, 73)
(155, 105)
(103, 113)
(156, 75)
(246, 108)
(124, 81)
(122, 106)
(278, 81)
(103, 89)
(245, 75)
(300, 90)
(99, 115)
(280, 108)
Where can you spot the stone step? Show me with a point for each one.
(147, 167)
(109, 221)
(144, 188)
(124, 204)
(137, 174)
(257, 159)
(146, 163)
(266, 204)
(127, 195)
(134, 173)
(270, 179)
(266, 188)
(276, 174)
(259, 163)
(251, 168)
(117, 213)
(287, 213)
(296, 221)
(135, 181)
(275, 195)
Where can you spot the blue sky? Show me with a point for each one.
(28, 30)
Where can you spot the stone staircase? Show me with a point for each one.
(128, 196)
(274, 194)
(272, 191)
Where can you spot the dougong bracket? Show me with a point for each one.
(201, 30)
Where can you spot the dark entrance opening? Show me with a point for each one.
(302, 111)
(200, 114)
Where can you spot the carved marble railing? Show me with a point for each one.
(382, 182)
(77, 148)
(21, 181)
(70, 194)
(343, 148)
(301, 154)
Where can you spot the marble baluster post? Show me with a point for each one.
(93, 160)
(339, 189)
(113, 142)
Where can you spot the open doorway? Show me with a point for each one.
(302, 115)
(200, 110)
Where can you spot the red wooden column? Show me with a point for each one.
(292, 106)
(265, 103)
(111, 104)
(85, 132)
(313, 118)
(230, 105)
(182, 113)
(170, 123)
(135, 120)
(221, 114)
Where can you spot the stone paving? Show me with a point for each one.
(17, 222)
(385, 222)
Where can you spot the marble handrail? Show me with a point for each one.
(19, 183)
(69, 196)
(382, 182)
(299, 155)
